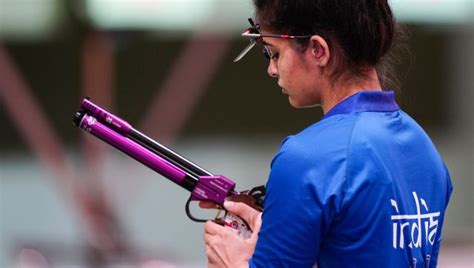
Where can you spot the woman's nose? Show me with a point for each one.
(272, 69)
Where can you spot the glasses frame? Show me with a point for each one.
(255, 36)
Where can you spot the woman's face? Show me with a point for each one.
(298, 77)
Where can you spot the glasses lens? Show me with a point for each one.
(267, 53)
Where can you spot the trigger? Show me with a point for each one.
(219, 210)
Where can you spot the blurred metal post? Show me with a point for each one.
(97, 82)
(185, 85)
(98, 72)
(33, 124)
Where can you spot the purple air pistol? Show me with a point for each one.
(203, 185)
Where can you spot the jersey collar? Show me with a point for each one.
(366, 101)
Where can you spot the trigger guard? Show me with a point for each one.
(189, 214)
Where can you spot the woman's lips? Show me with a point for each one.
(282, 89)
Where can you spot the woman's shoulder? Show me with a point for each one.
(340, 134)
(329, 131)
(327, 139)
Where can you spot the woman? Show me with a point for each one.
(364, 186)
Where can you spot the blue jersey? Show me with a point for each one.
(363, 187)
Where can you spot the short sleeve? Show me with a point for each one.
(304, 194)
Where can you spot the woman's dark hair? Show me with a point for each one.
(361, 32)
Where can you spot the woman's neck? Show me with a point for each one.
(346, 87)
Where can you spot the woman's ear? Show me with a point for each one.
(319, 50)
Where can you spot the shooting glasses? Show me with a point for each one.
(255, 36)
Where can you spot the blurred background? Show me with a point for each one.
(165, 66)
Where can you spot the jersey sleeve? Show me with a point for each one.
(304, 193)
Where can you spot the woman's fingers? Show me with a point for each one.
(212, 228)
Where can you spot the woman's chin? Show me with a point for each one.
(294, 103)
(299, 105)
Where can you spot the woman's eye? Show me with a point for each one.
(275, 56)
